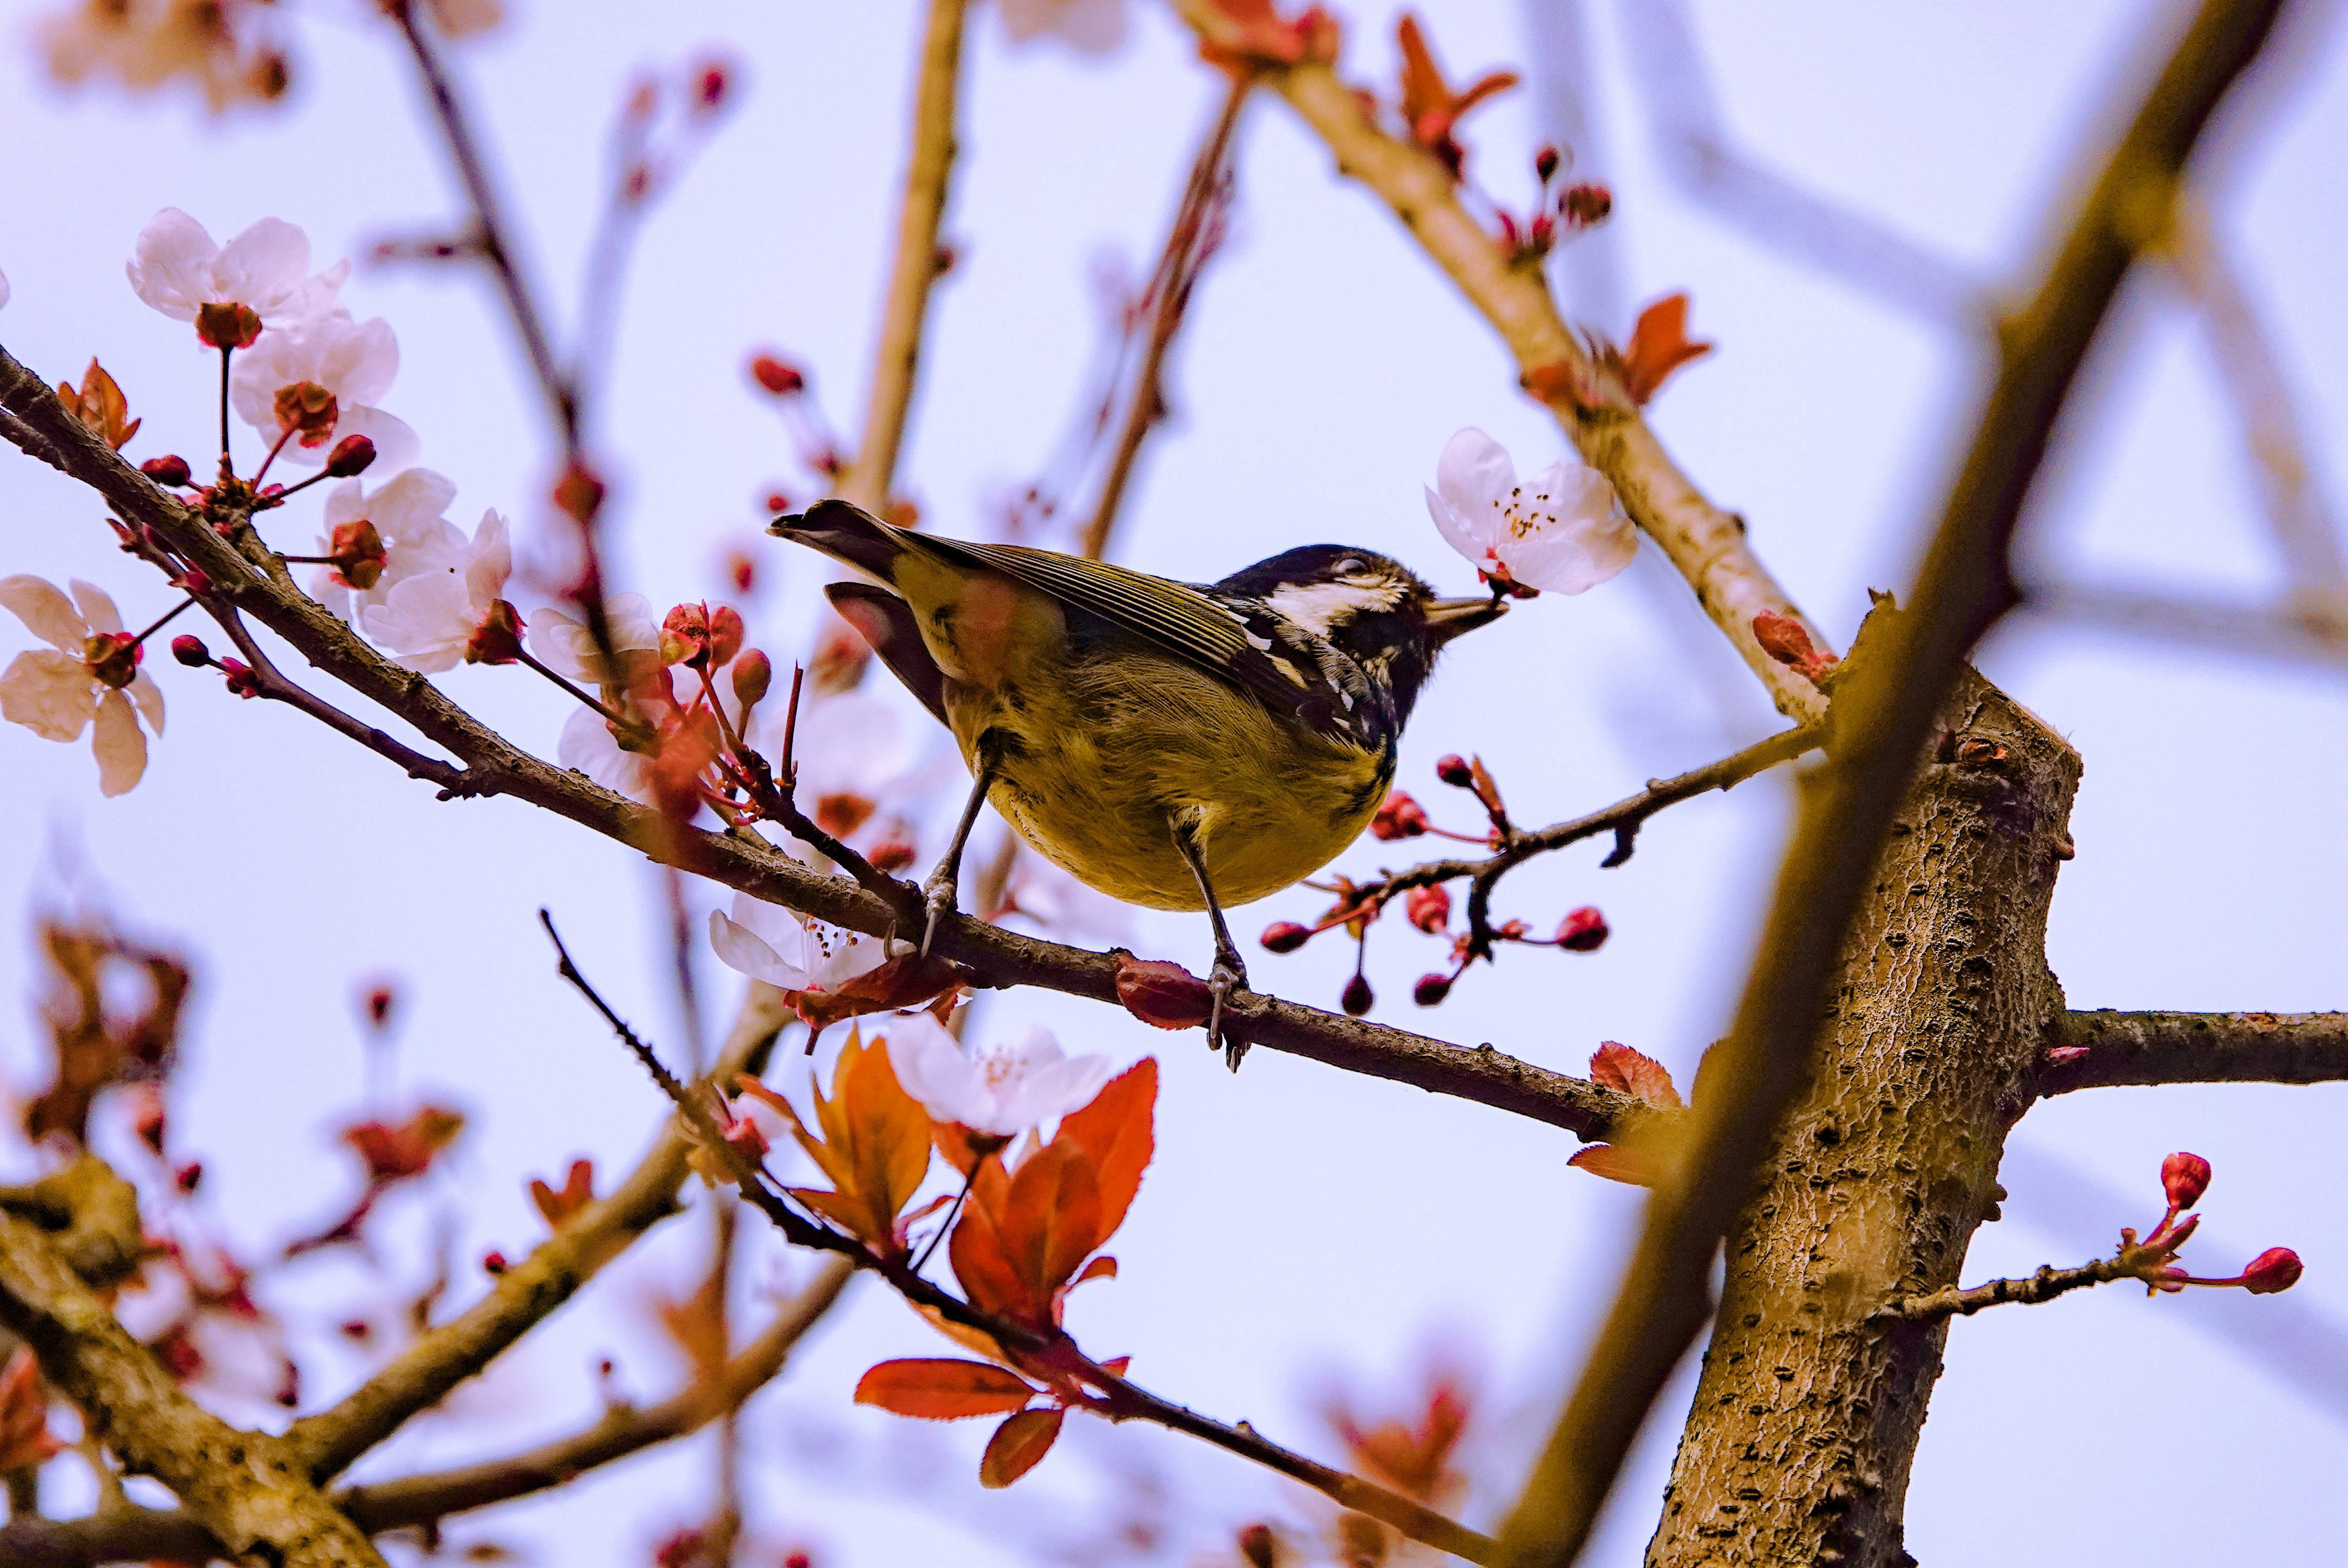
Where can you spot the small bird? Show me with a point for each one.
(1172, 745)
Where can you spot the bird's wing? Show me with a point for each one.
(1251, 647)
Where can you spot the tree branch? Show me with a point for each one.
(248, 1489)
(1705, 544)
(2106, 1049)
(897, 354)
(136, 1535)
(1887, 699)
(492, 765)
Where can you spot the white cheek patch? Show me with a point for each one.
(1317, 606)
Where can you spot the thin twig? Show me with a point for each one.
(1887, 701)
(897, 354)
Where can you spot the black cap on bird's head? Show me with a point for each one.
(1370, 606)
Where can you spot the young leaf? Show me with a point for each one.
(941, 1389)
(1115, 1133)
(1635, 1073)
(1016, 1445)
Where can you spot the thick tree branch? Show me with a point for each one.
(248, 1489)
(1705, 544)
(2106, 1049)
(897, 355)
(257, 585)
(1887, 700)
(142, 1533)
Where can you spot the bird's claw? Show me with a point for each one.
(1228, 975)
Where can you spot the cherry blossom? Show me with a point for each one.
(795, 952)
(1088, 26)
(1003, 1089)
(352, 362)
(92, 674)
(1559, 530)
(178, 269)
(562, 641)
(426, 620)
(407, 512)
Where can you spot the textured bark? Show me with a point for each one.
(1808, 1415)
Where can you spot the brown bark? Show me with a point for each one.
(1808, 1414)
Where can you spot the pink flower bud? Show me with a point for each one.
(190, 650)
(1545, 164)
(1582, 931)
(170, 471)
(1357, 997)
(243, 680)
(1284, 936)
(752, 674)
(1453, 771)
(1400, 816)
(230, 326)
(350, 456)
(1428, 908)
(778, 376)
(2277, 1268)
(2186, 1177)
(498, 639)
(1165, 996)
(1431, 989)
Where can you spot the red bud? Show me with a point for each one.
(1428, 908)
(1453, 771)
(778, 377)
(1284, 936)
(352, 455)
(1582, 931)
(1431, 989)
(2186, 1177)
(2276, 1269)
(166, 470)
(1165, 996)
(1357, 997)
(190, 650)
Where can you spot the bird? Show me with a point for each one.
(1177, 746)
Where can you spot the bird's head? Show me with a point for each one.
(1370, 606)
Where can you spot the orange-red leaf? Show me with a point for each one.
(1617, 1163)
(1016, 1445)
(941, 1388)
(1116, 1132)
(1635, 1073)
(1659, 345)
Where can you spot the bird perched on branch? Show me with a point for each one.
(1172, 745)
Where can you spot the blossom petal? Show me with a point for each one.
(262, 268)
(147, 698)
(121, 746)
(48, 693)
(96, 606)
(742, 950)
(171, 263)
(46, 612)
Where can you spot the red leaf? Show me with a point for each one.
(1116, 1132)
(1616, 1163)
(1659, 345)
(1635, 1073)
(941, 1389)
(1016, 1445)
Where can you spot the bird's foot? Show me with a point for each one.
(938, 896)
(1228, 975)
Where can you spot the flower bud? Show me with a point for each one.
(2276, 1269)
(1584, 205)
(778, 377)
(169, 471)
(1431, 989)
(350, 456)
(243, 680)
(498, 639)
(1165, 996)
(1545, 163)
(2185, 1177)
(1428, 908)
(1583, 930)
(308, 410)
(1357, 997)
(752, 674)
(1453, 771)
(358, 553)
(1284, 936)
(724, 635)
(190, 650)
(1400, 816)
(228, 325)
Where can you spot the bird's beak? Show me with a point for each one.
(1447, 618)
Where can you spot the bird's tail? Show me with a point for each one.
(847, 533)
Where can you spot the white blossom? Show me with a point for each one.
(795, 952)
(1003, 1089)
(177, 268)
(408, 511)
(1088, 26)
(354, 360)
(1559, 530)
(426, 619)
(56, 694)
